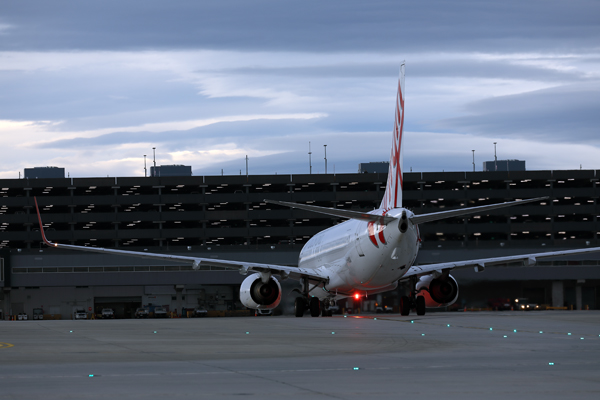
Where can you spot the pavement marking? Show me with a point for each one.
(5, 345)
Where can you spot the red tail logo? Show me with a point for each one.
(393, 190)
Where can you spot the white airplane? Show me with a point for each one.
(367, 254)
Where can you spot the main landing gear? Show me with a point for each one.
(313, 304)
(413, 302)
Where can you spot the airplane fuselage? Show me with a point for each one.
(361, 257)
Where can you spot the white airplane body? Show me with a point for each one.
(359, 258)
(367, 254)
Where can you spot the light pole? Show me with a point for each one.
(309, 159)
(325, 146)
(495, 158)
(473, 160)
(154, 156)
(145, 175)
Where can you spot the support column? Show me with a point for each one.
(178, 298)
(578, 301)
(7, 309)
(558, 294)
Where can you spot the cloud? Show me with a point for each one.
(94, 86)
(185, 133)
(563, 114)
(315, 26)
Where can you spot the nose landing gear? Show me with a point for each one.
(313, 304)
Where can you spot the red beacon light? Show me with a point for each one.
(357, 296)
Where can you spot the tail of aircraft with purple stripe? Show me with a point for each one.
(393, 190)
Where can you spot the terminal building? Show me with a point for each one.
(226, 217)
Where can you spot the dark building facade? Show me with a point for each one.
(504, 165)
(171, 170)
(226, 217)
(374, 167)
(44, 172)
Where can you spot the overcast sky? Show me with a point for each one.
(93, 86)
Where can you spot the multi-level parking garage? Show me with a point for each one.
(226, 217)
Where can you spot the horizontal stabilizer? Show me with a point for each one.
(419, 219)
(384, 220)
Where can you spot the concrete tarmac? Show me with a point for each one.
(453, 355)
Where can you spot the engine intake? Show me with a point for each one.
(438, 292)
(256, 294)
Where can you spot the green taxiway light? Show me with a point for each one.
(422, 334)
(247, 333)
(581, 338)
(375, 319)
(412, 322)
(491, 329)
(91, 375)
(550, 363)
(569, 333)
(514, 330)
(505, 336)
(333, 333)
(70, 331)
(541, 331)
(356, 368)
(448, 325)
(154, 331)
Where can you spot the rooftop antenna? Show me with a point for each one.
(145, 174)
(473, 160)
(246, 166)
(325, 146)
(495, 158)
(309, 159)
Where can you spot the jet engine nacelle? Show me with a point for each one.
(438, 292)
(256, 294)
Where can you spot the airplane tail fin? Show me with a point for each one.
(393, 190)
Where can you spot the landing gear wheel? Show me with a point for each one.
(420, 305)
(404, 305)
(299, 306)
(315, 307)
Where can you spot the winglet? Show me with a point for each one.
(42, 225)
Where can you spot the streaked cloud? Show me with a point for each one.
(209, 83)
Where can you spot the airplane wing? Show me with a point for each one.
(419, 219)
(382, 219)
(480, 264)
(243, 267)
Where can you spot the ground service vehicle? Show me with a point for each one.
(79, 314)
(160, 312)
(200, 312)
(38, 314)
(524, 304)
